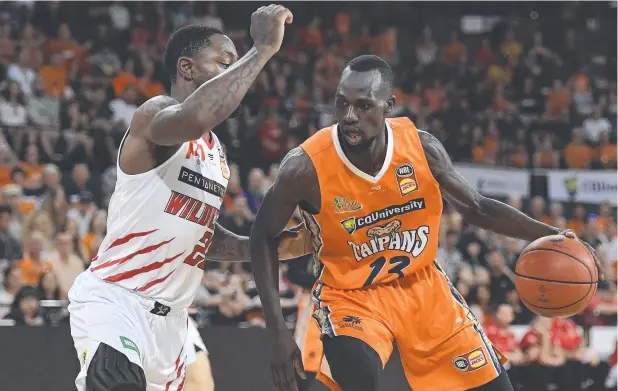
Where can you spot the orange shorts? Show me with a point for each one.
(441, 345)
(307, 336)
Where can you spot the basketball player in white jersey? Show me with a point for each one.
(129, 309)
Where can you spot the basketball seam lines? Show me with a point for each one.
(591, 283)
(557, 281)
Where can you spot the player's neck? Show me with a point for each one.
(181, 91)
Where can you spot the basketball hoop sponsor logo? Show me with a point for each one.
(470, 361)
(406, 179)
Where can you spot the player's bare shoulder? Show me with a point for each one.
(298, 179)
(148, 110)
(138, 154)
(437, 158)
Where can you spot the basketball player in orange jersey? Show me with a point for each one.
(371, 192)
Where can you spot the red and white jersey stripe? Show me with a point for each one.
(160, 224)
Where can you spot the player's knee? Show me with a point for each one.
(110, 370)
(355, 366)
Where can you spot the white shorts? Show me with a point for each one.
(193, 343)
(106, 313)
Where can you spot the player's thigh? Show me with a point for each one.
(354, 365)
(199, 374)
(110, 370)
(463, 362)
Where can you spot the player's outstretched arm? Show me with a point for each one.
(216, 99)
(484, 212)
(475, 209)
(226, 246)
(296, 183)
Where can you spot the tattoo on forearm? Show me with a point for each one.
(215, 100)
(226, 246)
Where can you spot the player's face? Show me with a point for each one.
(215, 59)
(361, 105)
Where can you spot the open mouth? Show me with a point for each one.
(353, 136)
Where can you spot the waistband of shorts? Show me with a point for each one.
(150, 304)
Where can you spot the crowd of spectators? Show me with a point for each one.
(71, 76)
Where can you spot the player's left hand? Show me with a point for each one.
(570, 234)
(295, 242)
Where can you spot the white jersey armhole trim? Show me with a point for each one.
(120, 172)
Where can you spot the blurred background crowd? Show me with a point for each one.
(529, 87)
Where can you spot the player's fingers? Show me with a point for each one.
(569, 234)
(285, 14)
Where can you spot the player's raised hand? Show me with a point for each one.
(570, 234)
(268, 27)
(286, 361)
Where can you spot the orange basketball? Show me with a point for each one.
(556, 276)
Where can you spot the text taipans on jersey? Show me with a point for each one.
(387, 237)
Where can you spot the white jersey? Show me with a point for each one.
(161, 222)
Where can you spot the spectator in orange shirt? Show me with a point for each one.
(578, 221)
(546, 156)
(605, 215)
(65, 45)
(55, 76)
(125, 78)
(32, 167)
(147, 84)
(607, 151)
(558, 99)
(455, 52)
(97, 229)
(32, 265)
(577, 154)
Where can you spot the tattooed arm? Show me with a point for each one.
(475, 209)
(226, 246)
(216, 99)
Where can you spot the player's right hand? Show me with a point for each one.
(268, 26)
(286, 360)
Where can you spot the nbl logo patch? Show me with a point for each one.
(406, 179)
(470, 361)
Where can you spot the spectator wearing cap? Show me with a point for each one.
(25, 308)
(33, 265)
(79, 181)
(81, 211)
(10, 248)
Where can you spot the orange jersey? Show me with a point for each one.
(373, 229)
